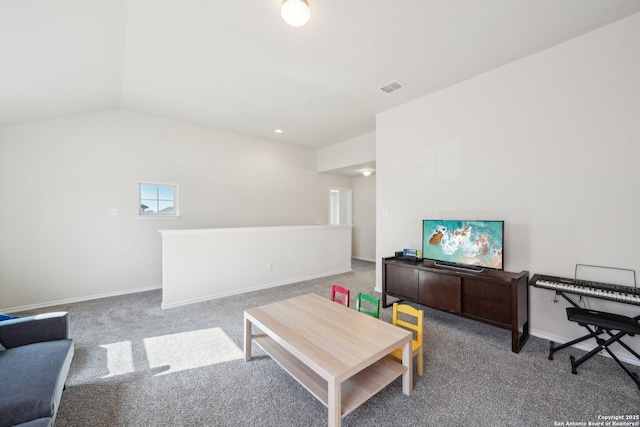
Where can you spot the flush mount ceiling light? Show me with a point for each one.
(295, 12)
(366, 172)
(278, 131)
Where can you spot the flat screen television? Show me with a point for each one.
(467, 244)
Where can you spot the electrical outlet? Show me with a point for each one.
(114, 212)
(269, 267)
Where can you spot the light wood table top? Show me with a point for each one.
(337, 353)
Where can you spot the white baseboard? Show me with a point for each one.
(584, 346)
(78, 299)
(256, 288)
(363, 259)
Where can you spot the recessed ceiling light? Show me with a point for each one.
(295, 12)
(278, 131)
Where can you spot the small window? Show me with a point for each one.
(158, 199)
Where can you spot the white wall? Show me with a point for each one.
(199, 265)
(59, 178)
(364, 218)
(354, 151)
(550, 144)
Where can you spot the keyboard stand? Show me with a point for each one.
(598, 323)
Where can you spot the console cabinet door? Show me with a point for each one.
(402, 281)
(491, 301)
(440, 290)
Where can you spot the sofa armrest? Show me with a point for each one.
(33, 329)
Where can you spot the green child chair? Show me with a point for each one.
(371, 304)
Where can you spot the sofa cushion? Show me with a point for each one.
(31, 329)
(35, 375)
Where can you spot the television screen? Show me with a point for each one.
(464, 243)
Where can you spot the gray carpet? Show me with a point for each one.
(139, 365)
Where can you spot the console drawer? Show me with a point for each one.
(486, 309)
(487, 290)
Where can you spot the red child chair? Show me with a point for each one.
(340, 295)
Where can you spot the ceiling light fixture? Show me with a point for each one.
(278, 131)
(295, 12)
(366, 172)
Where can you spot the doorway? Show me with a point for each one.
(340, 206)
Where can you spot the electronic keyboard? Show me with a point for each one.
(608, 291)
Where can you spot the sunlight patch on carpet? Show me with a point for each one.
(119, 358)
(189, 350)
(174, 352)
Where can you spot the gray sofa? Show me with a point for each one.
(33, 368)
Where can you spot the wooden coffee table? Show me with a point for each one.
(335, 352)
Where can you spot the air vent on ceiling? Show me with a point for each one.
(392, 86)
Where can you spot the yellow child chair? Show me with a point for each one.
(416, 343)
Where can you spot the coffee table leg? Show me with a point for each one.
(407, 377)
(247, 339)
(335, 403)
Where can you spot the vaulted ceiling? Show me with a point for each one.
(236, 65)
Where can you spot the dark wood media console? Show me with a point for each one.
(498, 298)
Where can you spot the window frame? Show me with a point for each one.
(157, 215)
